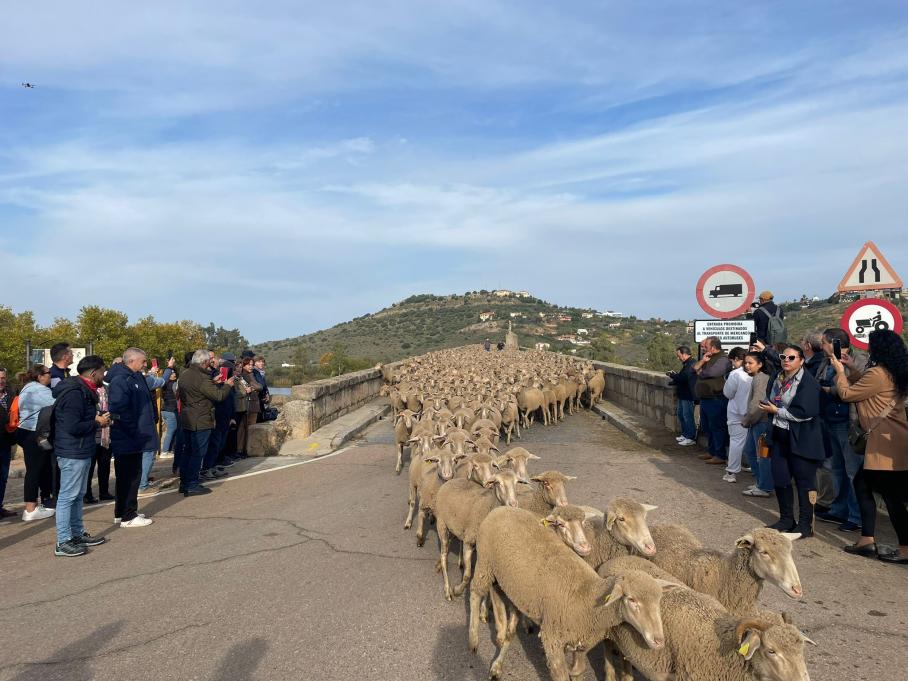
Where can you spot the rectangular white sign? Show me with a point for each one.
(732, 332)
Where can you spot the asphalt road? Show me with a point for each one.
(305, 573)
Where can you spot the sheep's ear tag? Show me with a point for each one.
(607, 599)
(544, 522)
(744, 649)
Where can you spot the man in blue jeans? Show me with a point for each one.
(684, 382)
(842, 461)
(711, 370)
(76, 419)
(7, 439)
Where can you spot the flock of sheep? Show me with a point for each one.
(655, 596)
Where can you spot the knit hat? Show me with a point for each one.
(229, 357)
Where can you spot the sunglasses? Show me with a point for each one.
(788, 358)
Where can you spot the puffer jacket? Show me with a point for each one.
(75, 410)
(134, 428)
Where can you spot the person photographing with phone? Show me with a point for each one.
(879, 395)
(793, 403)
(711, 370)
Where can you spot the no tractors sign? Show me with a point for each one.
(725, 291)
(870, 314)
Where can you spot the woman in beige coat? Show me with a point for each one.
(879, 396)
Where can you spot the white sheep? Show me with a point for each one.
(552, 585)
(619, 530)
(735, 578)
(549, 492)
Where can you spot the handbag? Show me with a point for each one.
(763, 447)
(857, 436)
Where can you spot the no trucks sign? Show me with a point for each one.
(725, 291)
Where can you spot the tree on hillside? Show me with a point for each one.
(600, 348)
(222, 339)
(660, 352)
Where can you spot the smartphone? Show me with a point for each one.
(169, 355)
(753, 337)
(154, 364)
(224, 371)
(837, 349)
(114, 417)
(767, 402)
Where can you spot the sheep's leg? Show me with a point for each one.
(400, 458)
(443, 538)
(608, 660)
(467, 569)
(627, 671)
(518, 427)
(501, 633)
(460, 559)
(411, 502)
(477, 593)
(578, 666)
(420, 526)
(554, 657)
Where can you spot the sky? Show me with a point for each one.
(281, 167)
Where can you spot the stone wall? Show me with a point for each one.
(648, 393)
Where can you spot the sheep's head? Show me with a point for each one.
(570, 524)
(770, 558)
(552, 484)
(516, 459)
(408, 417)
(625, 520)
(445, 460)
(775, 652)
(637, 596)
(483, 468)
(505, 485)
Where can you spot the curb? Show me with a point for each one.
(333, 436)
(627, 423)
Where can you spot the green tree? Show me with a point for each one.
(600, 348)
(222, 340)
(660, 353)
(106, 329)
(15, 329)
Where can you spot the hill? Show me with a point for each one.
(427, 322)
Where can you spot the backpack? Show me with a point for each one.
(775, 330)
(44, 429)
(12, 421)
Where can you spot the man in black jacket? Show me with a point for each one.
(761, 316)
(684, 381)
(7, 440)
(76, 420)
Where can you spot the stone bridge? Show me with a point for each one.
(297, 567)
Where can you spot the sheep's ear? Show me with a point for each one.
(610, 518)
(668, 586)
(550, 519)
(458, 457)
(439, 437)
(791, 536)
(749, 643)
(432, 459)
(807, 640)
(537, 478)
(787, 618)
(533, 457)
(493, 448)
(648, 507)
(570, 477)
(414, 439)
(745, 542)
(611, 593)
(495, 465)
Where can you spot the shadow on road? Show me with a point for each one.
(241, 660)
(452, 661)
(77, 658)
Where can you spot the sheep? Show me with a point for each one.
(459, 440)
(529, 400)
(548, 493)
(550, 404)
(403, 425)
(517, 458)
(427, 486)
(550, 584)
(464, 417)
(510, 419)
(596, 386)
(619, 530)
(735, 578)
(460, 506)
(705, 642)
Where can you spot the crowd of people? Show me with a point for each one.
(818, 424)
(199, 415)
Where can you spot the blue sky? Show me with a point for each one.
(282, 169)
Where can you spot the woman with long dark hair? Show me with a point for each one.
(793, 403)
(879, 395)
(35, 395)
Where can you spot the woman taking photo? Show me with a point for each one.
(879, 396)
(39, 463)
(793, 402)
(247, 405)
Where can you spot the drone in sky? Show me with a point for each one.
(28, 85)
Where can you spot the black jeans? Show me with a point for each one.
(102, 461)
(128, 468)
(890, 485)
(39, 468)
(786, 465)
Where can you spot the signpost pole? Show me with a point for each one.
(28, 354)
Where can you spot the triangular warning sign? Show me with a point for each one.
(870, 271)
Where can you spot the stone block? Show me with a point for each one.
(265, 439)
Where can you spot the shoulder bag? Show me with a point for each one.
(857, 436)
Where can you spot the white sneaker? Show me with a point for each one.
(119, 520)
(138, 521)
(679, 438)
(686, 443)
(40, 513)
(166, 455)
(729, 477)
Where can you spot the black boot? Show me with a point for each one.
(805, 514)
(786, 522)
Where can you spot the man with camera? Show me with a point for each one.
(76, 419)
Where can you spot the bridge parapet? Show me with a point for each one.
(644, 392)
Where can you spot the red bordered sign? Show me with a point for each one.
(725, 291)
(870, 314)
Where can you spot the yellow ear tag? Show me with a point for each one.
(607, 599)
(744, 648)
(545, 523)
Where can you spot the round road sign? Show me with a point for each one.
(725, 291)
(870, 314)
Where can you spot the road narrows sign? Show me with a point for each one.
(725, 291)
(870, 314)
(870, 271)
